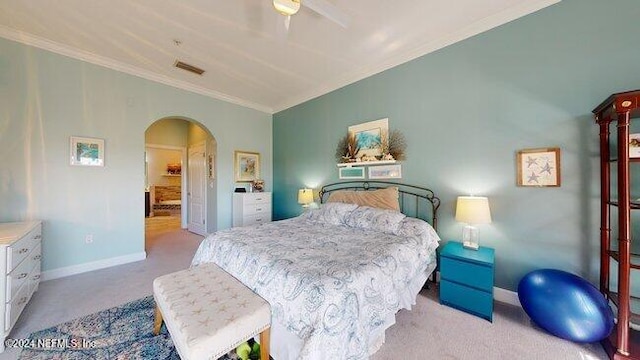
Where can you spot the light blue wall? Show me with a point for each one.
(465, 111)
(45, 98)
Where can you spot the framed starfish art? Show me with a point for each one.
(538, 167)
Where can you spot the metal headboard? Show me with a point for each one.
(415, 201)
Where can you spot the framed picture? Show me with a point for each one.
(634, 145)
(385, 172)
(351, 172)
(246, 166)
(538, 167)
(86, 151)
(371, 137)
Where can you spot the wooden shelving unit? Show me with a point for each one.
(618, 109)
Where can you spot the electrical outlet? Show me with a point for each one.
(88, 238)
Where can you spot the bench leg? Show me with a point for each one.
(157, 321)
(264, 344)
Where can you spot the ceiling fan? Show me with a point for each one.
(322, 7)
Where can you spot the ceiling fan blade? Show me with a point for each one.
(328, 10)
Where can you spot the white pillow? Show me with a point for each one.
(365, 217)
(331, 213)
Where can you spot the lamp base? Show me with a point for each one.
(470, 237)
(470, 245)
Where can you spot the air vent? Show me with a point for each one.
(190, 68)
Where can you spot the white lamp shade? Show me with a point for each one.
(473, 210)
(287, 7)
(305, 196)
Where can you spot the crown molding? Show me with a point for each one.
(478, 27)
(55, 47)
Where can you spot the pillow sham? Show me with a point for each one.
(382, 199)
(366, 217)
(331, 213)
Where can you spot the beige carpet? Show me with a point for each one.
(434, 331)
(428, 331)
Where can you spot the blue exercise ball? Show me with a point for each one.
(565, 305)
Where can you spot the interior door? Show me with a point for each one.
(197, 188)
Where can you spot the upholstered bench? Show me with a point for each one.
(209, 312)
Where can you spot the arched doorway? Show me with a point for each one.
(179, 176)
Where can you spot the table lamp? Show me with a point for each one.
(472, 210)
(305, 197)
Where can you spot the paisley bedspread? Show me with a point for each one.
(331, 278)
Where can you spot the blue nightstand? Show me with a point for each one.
(466, 279)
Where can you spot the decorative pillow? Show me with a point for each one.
(381, 199)
(331, 213)
(365, 217)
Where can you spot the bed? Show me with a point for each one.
(335, 276)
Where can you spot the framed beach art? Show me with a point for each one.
(634, 145)
(351, 173)
(86, 151)
(385, 172)
(246, 166)
(371, 138)
(538, 167)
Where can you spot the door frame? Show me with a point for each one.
(184, 199)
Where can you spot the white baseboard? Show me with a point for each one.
(506, 296)
(90, 266)
(499, 294)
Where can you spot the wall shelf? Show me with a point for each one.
(367, 163)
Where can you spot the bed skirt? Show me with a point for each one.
(286, 345)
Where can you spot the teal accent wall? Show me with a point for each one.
(466, 109)
(45, 98)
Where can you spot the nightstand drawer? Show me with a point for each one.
(467, 273)
(467, 299)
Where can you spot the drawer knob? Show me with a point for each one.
(23, 251)
(22, 276)
(37, 257)
(36, 277)
(22, 300)
(259, 199)
(258, 220)
(258, 209)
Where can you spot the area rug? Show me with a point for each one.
(122, 332)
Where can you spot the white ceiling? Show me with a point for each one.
(240, 43)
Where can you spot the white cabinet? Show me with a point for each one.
(20, 258)
(251, 208)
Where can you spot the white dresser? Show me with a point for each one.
(20, 258)
(251, 208)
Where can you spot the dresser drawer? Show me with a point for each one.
(17, 278)
(467, 273)
(15, 306)
(255, 209)
(19, 250)
(256, 219)
(468, 299)
(34, 277)
(256, 198)
(23, 272)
